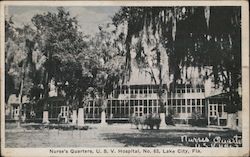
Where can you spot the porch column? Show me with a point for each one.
(218, 116)
(208, 112)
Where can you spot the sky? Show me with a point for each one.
(89, 17)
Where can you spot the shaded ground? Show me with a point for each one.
(153, 138)
(116, 135)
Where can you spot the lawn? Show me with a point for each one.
(119, 135)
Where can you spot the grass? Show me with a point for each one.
(116, 135)
(155, 138)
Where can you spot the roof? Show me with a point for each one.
(218, 96)
(14, 99)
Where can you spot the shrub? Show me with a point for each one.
(134, 120)
(198, 120)
(151, 121)
(169, 119)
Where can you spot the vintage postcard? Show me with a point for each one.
(124, 78)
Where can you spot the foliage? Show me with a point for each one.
(109, 70)
(198, 120)
(153, 120)
(169, 118)
(150, 121)
(202, 37)
(65, 49)
(20, 67)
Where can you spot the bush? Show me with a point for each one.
(198, 120)
(151, 121)
(169, 119)
(134, 120)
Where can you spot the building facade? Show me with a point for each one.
(139, 98)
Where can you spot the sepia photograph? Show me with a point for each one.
(138, 77)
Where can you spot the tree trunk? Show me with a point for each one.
(104, 106)
(24, 115)
(80, 117)
(74, 117)
(231, 120)
(21, 99)
(45, 116)
(162, 114)
(103, 118)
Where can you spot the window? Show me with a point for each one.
(188, 102)
(178, 109)
(188, 110)
(136, 102)
(198, 101)
(203, 102)
(198, 90)
(211, 107)
(203, 110)
(183, 90)
(154, 103)
(141, 91)
(169, 102)
(132, 91)
(154, 109)
(211, 113)
(183, 110)
(219, 108)
(193, 109)
(203, 90)
(188, 90)
(175, 110)
(150, 91)
(178, 102)
(112, 110)
(150, 103)
(178, 90)
(126, 111)
(150, 110)
(136, 91)
(183, 102)
(174, 102)
(193, 91)
(193, 102)
(198, 109)
(140, 103)
(132, 102)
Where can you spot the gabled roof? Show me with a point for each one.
(218, 96)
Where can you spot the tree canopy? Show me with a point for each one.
(202, 37)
